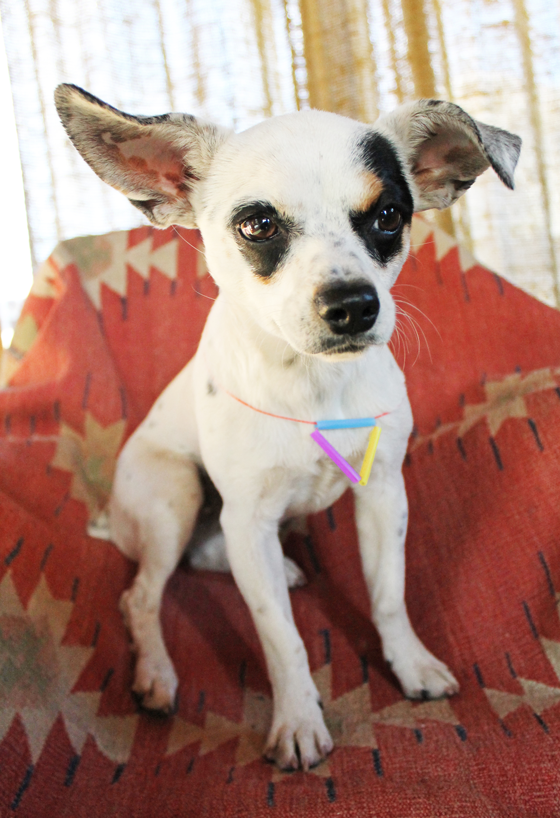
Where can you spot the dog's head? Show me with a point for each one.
(305, 217)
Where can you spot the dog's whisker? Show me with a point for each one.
(410, 323)
(417, 329)
(202, 295)
(193, 246)
(402, 340)
(422, 313)
(400, 285)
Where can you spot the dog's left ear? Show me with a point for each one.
(446, 149)
(156, 161)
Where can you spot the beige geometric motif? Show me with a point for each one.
(25, 333)
(552, 651)
(201, 267)
(349, 718)
(46, 281)
(218, 730)
(90, 459)
(105, 259)
(46, 284)
(413, 715)
(466, 259)
(502, 702)
(38, 672)
(537, 696)
(422, 229)
(505, 399)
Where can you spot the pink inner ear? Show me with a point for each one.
(447, 148)
(154, 164)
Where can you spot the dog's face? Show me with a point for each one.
(306, 222)
(305, 217)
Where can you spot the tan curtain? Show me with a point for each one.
(237, 61)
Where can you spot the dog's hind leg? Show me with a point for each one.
(207, 548)
(211, 555)
(154, 507)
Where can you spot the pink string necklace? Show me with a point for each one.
(360, 477)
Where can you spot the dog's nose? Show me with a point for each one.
(348, 308)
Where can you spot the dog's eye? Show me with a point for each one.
(258, 228)
(389, 220)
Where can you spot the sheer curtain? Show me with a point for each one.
(237, 61)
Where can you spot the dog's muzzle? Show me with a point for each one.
(348, 309)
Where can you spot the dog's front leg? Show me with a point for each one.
(381, 518)
(298, 736)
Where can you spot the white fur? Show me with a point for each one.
(262, 343)
(256, 345)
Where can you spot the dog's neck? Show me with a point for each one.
(237, 352)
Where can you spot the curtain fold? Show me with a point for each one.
(237, 61)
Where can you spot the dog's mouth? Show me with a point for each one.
(335, 347)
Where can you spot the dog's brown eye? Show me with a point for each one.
(258, 228)
(389, 220)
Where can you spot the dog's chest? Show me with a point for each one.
(318, 492)
(316, 481)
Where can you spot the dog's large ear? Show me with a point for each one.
(446, 149)
(155, 161)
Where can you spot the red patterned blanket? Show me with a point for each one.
(109, 322)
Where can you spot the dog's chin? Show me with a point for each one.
(343, 350)
(336, 348)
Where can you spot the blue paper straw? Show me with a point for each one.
(346, 423)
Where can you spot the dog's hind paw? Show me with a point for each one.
(155, 686)
(211, 555)
(99, 527)
(294, 575)
(299, 745)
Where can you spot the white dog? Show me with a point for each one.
(305, 220)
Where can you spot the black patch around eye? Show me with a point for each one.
(378, 156)
(376, 153)
(263, 257)
(380, 244)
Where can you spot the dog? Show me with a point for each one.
(305, 219)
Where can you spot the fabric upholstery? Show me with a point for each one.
(110, 321)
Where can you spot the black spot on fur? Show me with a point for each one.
(378, 156)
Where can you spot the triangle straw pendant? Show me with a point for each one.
(345, 467)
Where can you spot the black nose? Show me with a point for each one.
(348, 308)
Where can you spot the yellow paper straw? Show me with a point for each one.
(369, 455)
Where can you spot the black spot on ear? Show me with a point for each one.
(210, 388)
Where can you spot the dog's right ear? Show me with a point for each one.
(155, 161)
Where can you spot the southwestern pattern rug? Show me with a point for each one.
(109, 322)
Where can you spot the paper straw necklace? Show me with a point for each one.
(360, 477)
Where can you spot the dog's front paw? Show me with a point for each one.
(155, 685)
(422, 676)
(299, 743)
